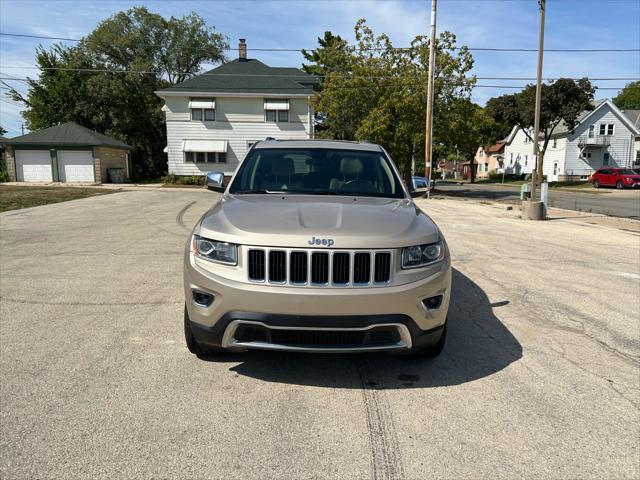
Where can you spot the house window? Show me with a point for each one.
(486, 167)
(526, 159)
(606, 129)
(276, 110)
(591, 130)
(205, 157)
(605, 159)
(555, 143)
(511, 159)
(206, 114)
(586, 154)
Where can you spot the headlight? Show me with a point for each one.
(422, 255)
(215, 251)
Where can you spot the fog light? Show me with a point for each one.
(432, 303)
(202, 299)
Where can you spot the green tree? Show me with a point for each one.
(107, 82)
(629, 97)
(2, 130)
(374, 91)
(562, 102)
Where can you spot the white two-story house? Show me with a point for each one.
(213, 118)
(604, 136)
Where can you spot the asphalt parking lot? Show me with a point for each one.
(540, 376)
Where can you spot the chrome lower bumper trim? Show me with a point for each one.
(229, 340)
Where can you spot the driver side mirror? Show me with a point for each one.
(214, 181)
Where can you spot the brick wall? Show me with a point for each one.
(11, 164)
(107, 157)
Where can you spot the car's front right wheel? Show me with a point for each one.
(596, 184)
(434, 350)
(193, 345)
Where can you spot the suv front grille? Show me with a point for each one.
(319, 267)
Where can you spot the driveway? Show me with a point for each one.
(607, 201)
(540, 377)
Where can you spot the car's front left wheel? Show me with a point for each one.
(619, 185)
(193, 345)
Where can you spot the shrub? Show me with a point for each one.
(170, 178)
(192, 180)
(494, 176)
(4, 176)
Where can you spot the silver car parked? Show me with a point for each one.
(316, 246)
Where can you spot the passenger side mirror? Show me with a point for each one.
(214, 181)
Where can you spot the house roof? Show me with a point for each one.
(561, 129)
(247, 76)
(67, 134)
(633, 116)
(242, 76)
(495, 148)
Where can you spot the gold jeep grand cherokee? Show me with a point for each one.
(315, 246)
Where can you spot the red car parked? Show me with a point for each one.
(615, 177)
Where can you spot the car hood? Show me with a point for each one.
(297, 220)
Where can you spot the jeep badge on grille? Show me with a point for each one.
(325, 242)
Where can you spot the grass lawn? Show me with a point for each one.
(14, 197)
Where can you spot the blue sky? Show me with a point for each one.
(594, 24)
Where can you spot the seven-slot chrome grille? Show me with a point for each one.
(319, 268)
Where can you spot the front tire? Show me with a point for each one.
(596, 184)
(193, 345)
(434, 350)
(619, 185)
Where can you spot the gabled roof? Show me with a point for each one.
(495, 148)
(633, 116)
(67, 134)
(630, 117)
(246, 76)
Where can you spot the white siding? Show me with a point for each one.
(620, 149)
(518, 155)
(238, 120)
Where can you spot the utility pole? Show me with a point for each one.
(22, 127)
(536, 127)
(428, 147)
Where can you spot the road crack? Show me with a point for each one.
(386, 458)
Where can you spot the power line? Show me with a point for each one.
(476, 49)
(302, 74)
(518, 87)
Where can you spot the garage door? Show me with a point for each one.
(75, 166)
(33, 166)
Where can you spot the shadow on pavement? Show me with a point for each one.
(478, 345)
(479, 193)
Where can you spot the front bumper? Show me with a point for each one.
(372, 319)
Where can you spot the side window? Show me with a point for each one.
(209, 115)
(270, 115)
(283, 115)
(610, 129)
(591, 130)
(188, 156)
(196, 114)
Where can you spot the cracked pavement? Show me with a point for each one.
(540, 376)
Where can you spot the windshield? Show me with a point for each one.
(626, 171)
(317, 171)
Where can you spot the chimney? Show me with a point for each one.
(242, 49)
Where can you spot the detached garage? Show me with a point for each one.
(66, 153)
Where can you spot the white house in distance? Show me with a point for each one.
(213, 118)
(605, 136)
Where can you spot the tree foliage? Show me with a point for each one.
(562, 102)
(629, 97)
(107, 82)
(374, 91)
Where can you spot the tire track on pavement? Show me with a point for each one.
(383, 440)
(179, 217)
